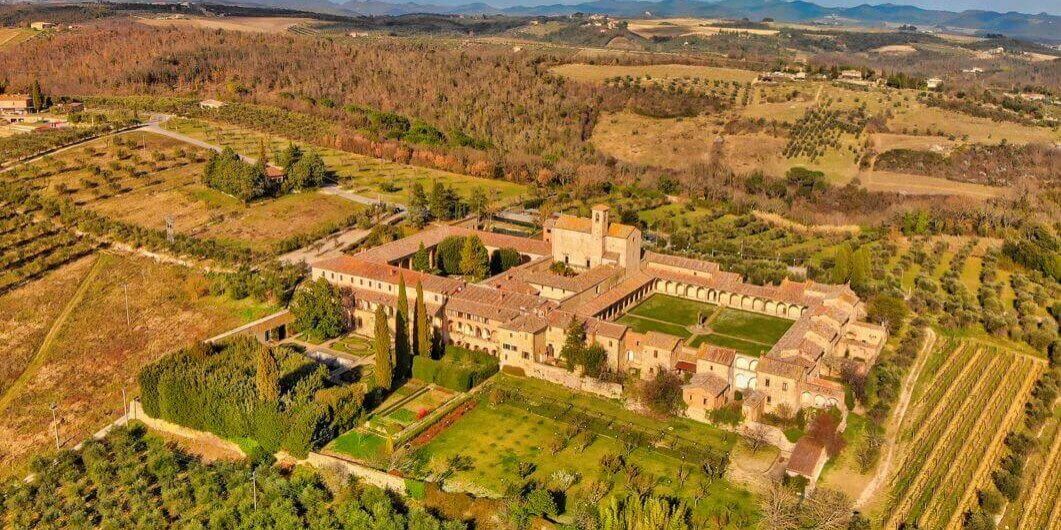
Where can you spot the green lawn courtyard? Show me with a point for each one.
(749, 333)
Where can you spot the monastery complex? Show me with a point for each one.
(521, 315)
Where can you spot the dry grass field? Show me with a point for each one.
(973, 129)
(94, 352)
(171, 188)
(922, 185)
(371, 177)
(248, 24)
(13, 36)
(27, 313)
(688, 26)
(591, 73)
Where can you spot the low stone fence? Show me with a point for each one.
(347, 468)
(560, 376)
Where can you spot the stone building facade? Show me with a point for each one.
(521, 315)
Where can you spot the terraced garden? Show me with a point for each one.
(969, 397)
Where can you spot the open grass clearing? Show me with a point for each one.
(890, 181)
(371, 177)
(246, 24)
(10, 37)
(96, 352)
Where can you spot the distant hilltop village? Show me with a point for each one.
(521, 315)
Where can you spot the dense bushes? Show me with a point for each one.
(459, 369)
(227, 173)
(219, 388)
(132, 479)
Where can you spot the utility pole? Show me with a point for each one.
(254, 487)
(128, 321)
(125, 406)
(55, 423)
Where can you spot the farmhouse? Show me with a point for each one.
(15, 104)
(522, 315)
(41, 26)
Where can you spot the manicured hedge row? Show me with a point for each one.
(219, 389)
(459, 369)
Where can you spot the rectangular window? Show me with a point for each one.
(784, 386)
(767, 381)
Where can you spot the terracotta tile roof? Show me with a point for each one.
(405, 247)
(682, 262)
(621, 290)
(594, 326)
(354, 266)
(716, 354)
(661, 341)
(527, 323)
(712, 383)
(805, 457)
(575, 284)
(389, 300)
(585, 225)
(768, 365)
(495, 304)
(826, 387)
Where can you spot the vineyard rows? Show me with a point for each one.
(31, 247)
(1043, 509)
(939, 378)
(956, 433)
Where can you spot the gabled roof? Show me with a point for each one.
(661, 341)
(805, 457)
(711, 383)
(769, 365)
(383, 272)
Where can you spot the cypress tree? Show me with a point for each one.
(267, 376)
(421, 260)
(384, 365)
(475, 261)
(574, 343)
(423, 327)
(403, 364)
(37, 96)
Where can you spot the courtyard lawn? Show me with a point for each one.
(673, 309)
(644, 325)
(749, 326)
(742, 346)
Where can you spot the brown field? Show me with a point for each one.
(886, 141)
(688, 26)
(248, 24)
(94, 353)
(634, 138)
(895, 49)
(921, 185)
(175, 190)
(981, 130)
(27, 313)
(590, 73)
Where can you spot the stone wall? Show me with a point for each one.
(347, 468)
(560, 376)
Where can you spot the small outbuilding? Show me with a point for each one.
(211, 104)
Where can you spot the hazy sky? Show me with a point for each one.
(1024, 6)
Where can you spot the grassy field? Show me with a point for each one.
(953, 437)
(371, 177)
(95, 352)
(753, 349)
(10, 37)
(673, 309)
(150, 178)
(518, 434)
(27, 313)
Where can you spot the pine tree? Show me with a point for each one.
(384, 364)
(403, 364)
(475, 261)
(421, 260)
(423, 326)
(267, 376)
